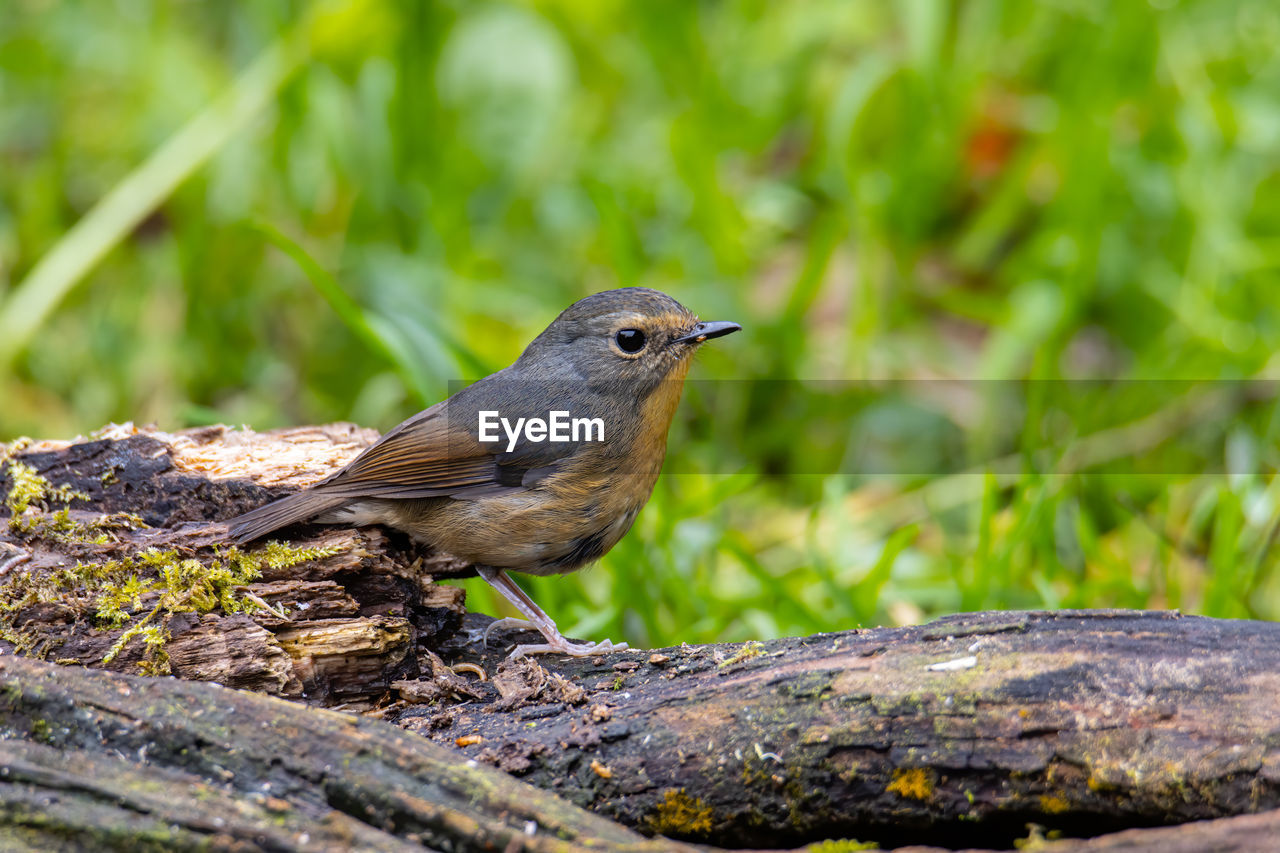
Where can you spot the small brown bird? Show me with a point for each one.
(541, 467)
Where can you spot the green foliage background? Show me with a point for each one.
(397, 194)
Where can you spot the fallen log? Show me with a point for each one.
(961, 732)
(94, 760)
(100, 761)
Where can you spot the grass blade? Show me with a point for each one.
(113, 218)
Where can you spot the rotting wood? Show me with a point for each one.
(135, 506)
(101, 761)
(231, 650)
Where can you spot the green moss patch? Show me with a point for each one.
(135, 593)
(680, 815)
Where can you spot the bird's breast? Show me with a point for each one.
(569, 519)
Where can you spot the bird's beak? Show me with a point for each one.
(707, 331)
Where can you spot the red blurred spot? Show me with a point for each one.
(989, 147)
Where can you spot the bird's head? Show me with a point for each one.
(631, 337)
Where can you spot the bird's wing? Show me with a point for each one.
(431, 455)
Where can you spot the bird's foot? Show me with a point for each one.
(537, 621)
(556, 643)
(565, 647)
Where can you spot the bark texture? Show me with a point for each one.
(124, 532)
(964, 730)
(100, 761)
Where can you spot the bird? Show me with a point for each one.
(459, 478)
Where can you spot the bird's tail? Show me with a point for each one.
(290, 509)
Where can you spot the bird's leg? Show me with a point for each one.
(539, 621)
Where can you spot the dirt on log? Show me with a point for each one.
(964, 732)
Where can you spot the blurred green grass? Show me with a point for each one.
(410, 191)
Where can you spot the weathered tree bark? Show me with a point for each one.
(100, 761)
(93, 760)
(335, 617)
(1253, 833)
(961, 732)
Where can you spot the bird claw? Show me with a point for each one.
(537, 621)
(564, 647)
(555, 644)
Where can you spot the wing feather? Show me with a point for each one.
(435, 455)
(420, 458)
(430, 456)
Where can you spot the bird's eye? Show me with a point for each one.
(630, 340)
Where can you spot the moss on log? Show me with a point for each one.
(113, 555)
